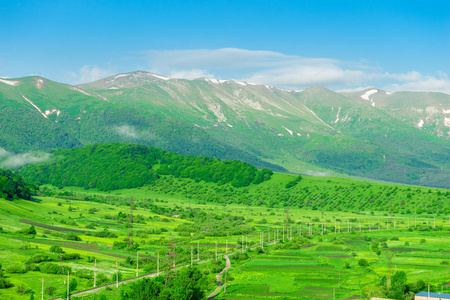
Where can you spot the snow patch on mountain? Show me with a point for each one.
(10, 82)
(113, 88)
(160, 77)
(217, 111)
(387, 93)
(447, 122)
(420, 124)
(212, 80)
(446, 111)
(288, 130)
(80, 90)
(39, 83)
(49, 112)
(337, 116)
(366, 95)
(121, 75)
(432, 110)
(35, 106)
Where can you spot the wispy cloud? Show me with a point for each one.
(10, 160)
(89, 73)
(287, 71)
(127, 131)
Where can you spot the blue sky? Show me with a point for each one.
(342, 45)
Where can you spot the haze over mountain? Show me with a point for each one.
(402, 137)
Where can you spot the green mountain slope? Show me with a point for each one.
(310, 131)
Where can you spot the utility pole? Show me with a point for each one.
(117, 274)
(95, 272)
(226, 246)
(137, 263)
(157, 266)
(130, 231)
(42, 288)
(192, 255)
(287, 223)
(68, 291)
(171, 263)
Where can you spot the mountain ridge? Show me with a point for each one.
(315, 129)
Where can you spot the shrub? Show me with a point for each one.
(395, 238)
(22, 289)
(423, 241)
(15, 269)
(444, 262)
(362, 262)
(52, 268)
(50, 290)
(73, 237)
(56, 249)
(71, 256)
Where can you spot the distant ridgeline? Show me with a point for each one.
(13, 186)
(117, 166)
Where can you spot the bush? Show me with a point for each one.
(15, 269)
(73, 237)
(38, 258)
(395, 238)
(4, 283)
(444, 262)
(22, 289)
(71, 256)
(363, 263)
(423, 241)
(52, 268)
(56, 249)
(50, 290)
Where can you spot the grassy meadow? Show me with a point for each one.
(91, 225)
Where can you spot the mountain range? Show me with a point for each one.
(401, 136)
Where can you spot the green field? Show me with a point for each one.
(308, 266)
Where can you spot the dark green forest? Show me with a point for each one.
(118, 166)
(12, 186)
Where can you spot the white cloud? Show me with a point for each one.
(287, 71)
(414, 81)
(89, 73)
(189, 74)
(127, 131)
(11, 160)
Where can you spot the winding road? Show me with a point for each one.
(218, 278)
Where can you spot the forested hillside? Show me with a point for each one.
(117, 166)
(12, 186)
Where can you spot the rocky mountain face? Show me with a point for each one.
(402, 137)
